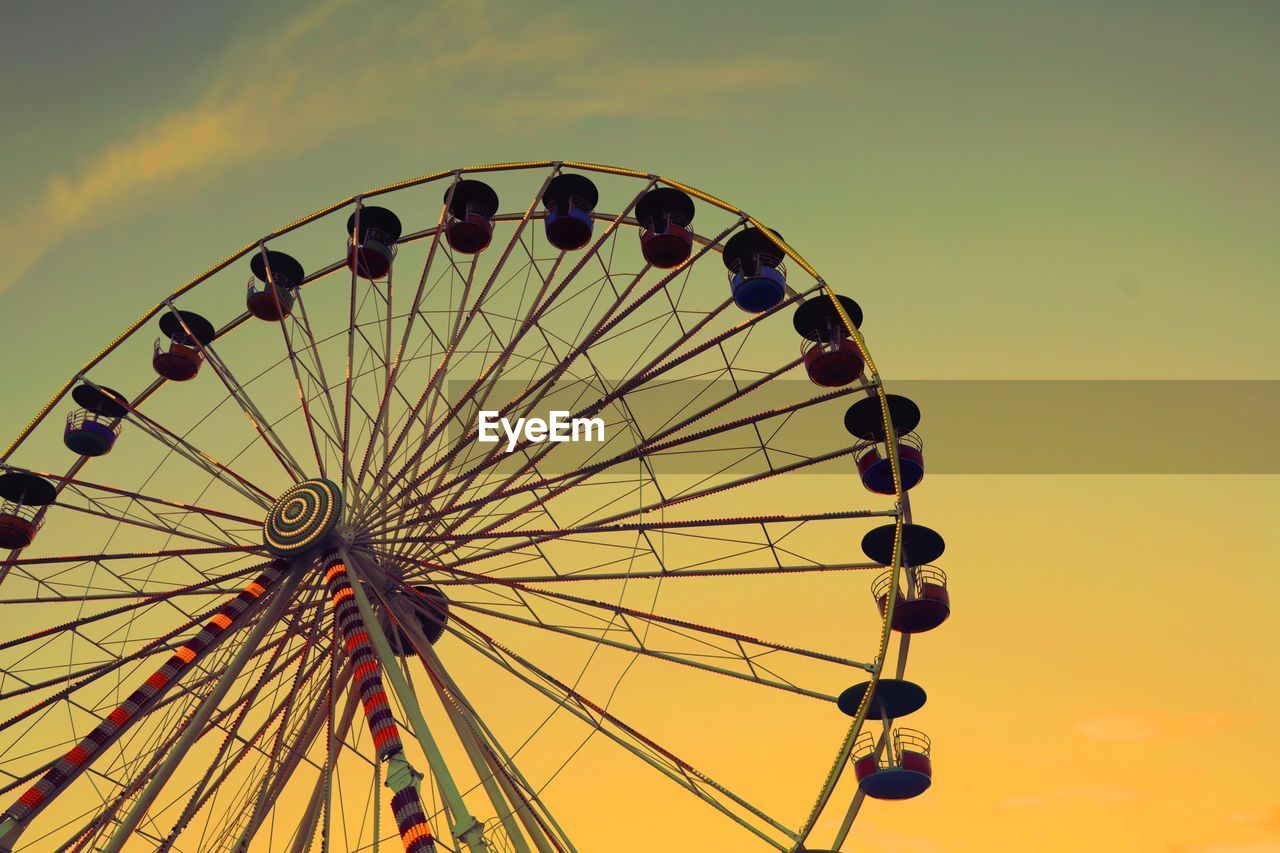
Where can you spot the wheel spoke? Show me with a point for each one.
(135, 555)
(640, 648)
(303, 321)
(244, 735)
(469, 579)
(599, 719)
(606, 526)
(651, 447)
(359, 627)
(649, 372)
(460, 330)
(294, 365)
(203, 712)
(66, 482)
(656, 619)
(380, 419)
(242, 399)
(188, 451)
(227, 619)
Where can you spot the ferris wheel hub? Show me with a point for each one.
(303, 518)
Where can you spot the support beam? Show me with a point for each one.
(307, 826)
(225, 621)
(268, 620)
(465, 826)
(495, 781)
(366, 645)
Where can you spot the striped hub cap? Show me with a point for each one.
(302, 518)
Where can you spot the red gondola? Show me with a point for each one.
(188, 334)
(372, 234)
(276, 277)
(905, 771)
(664, 214)
(833, 360)
(23, 498)
(469, 223)
(926, 604)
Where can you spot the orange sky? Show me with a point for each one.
(1022, 191)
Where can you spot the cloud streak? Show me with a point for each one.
(1139, 726)
(682, 90)
(236, 121)
(1092, 795)
(335, 70)
(196, 143)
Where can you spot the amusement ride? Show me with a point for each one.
(265, 589)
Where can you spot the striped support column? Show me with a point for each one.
(67, 768)
(405, 801)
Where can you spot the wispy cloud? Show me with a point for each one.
(895, 842)
(1267, 818)
(1262, 823)
(335, 70)
(1135, 726)
(195, 143)
(239, 118)
(677, 90)
(1093, 795)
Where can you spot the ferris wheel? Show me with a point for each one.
(367, 550)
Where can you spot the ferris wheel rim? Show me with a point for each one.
(901, 514)
(372, 193)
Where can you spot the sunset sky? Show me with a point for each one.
(1011, 190)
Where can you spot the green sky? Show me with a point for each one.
(1010, 190)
